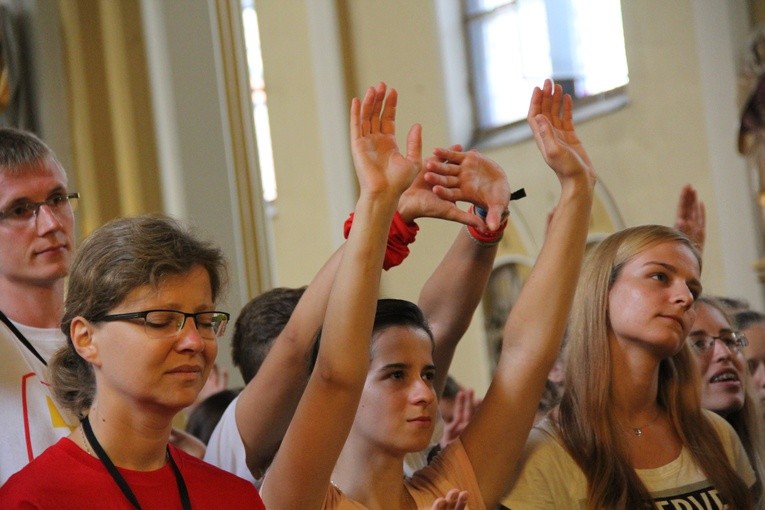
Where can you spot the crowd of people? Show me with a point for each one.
(347, 404)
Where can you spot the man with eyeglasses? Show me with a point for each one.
(36, 247)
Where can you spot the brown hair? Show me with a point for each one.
(21, 149)
(260, 321)
(115, 259)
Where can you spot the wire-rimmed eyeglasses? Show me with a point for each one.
(167, 323)
(733, 341)
(22, 212)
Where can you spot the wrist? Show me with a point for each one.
(486, 238)
(405, 209)
(400, 235)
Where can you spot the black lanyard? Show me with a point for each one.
(123, 485)
(22, 338)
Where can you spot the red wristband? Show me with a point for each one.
(486, 237)
(399, 236)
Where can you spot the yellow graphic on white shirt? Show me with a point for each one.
(55, 416)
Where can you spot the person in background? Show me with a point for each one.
(142, 329)
(726, 386)
(202, 420)
(456, 407)
(752, 324)
(36, 247)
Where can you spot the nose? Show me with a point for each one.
(720, 350)
(46, 220)
(189, 338)
(683, 295)
(422, 393)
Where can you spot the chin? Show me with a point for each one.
(725, 408)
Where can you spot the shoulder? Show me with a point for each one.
(544, 441)
(212, 487)
(732, 445)
(450, 469)
(336, 500)
(202, 472)
(724, 430)
(546, 475)
(44, 474)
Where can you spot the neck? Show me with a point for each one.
(635, 385)
(132, 440)
(369, 477)
(34, 306)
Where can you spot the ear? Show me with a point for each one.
(82, 332)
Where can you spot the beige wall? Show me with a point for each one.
(644, 153)
(679, 127)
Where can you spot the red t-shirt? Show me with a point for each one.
(65, 477)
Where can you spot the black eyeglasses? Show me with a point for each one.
(167, 323)
(733, 340)
(24, 211)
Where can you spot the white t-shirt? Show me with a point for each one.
(550, 479)
(225, 448)
(31, 420)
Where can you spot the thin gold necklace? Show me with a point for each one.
(638, 431)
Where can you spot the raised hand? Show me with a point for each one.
(551, 121)
(454, 500)
(465, 406)
(380, 167)
(470, 177)
(690, 218)
(420, 201)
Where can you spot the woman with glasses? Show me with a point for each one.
(725, 382)
(629, 432)
(142, 329)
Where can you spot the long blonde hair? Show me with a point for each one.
(591, 435)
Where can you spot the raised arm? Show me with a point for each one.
(300, 473)
(535, 326)
(451, 294)
(267, 403)
(690, 218)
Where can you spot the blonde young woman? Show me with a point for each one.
(387, 405)
(629, 431)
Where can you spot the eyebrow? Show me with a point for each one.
(394, 365)
(404, 366)
(21, 200)
(703, 332)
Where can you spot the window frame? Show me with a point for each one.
(517, 131)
